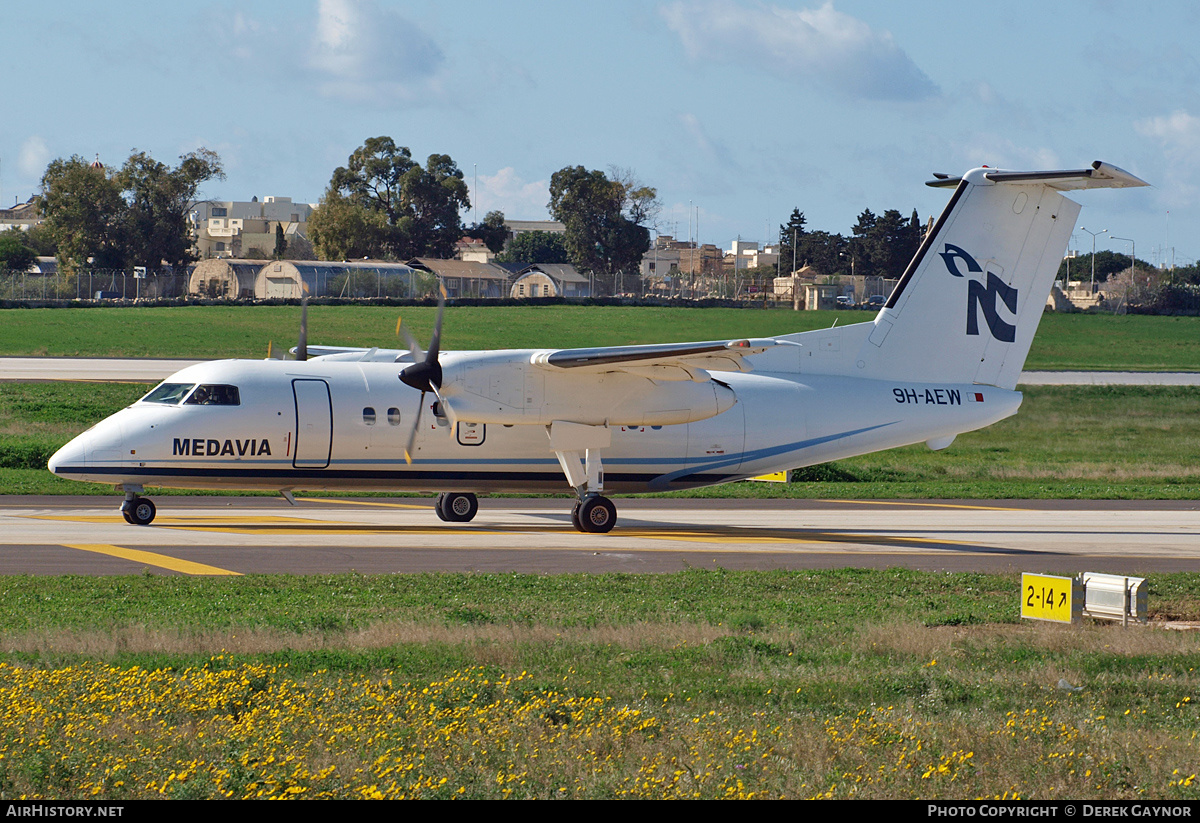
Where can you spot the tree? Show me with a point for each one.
(600, 237)
(340, 230)
(158, 199)
(884, 244)
(639, 202)
(1108, 263)
(84, 214)
(281, 244)
(14, 254)
(536, 247)
(823, 251)
(790, 235)
(389, 206)
(135, 216)
(40, 240)
(491, 231)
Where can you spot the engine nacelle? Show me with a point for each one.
(511, 390)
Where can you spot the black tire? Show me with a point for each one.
(141, 511)
(575, 521)
(597, 515)
(439, 507)
(128, 519)
(459, 507)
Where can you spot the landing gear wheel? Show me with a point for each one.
(597, 515)
(140, 511)
(575, 521)
(438, 506)
(457, 507)
(128, 519)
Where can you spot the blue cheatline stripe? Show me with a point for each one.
(706, 472)
(745, 457)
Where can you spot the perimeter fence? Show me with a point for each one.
(90, 284)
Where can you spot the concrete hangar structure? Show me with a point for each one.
(233, 279)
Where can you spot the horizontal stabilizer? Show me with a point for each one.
(1100, 176)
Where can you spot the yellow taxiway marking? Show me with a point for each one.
(928, 505)
(163, 561)
(288, 525)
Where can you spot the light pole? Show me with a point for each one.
(1093, 234)
(1132, 266)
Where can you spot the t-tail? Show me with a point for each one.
(966, 308)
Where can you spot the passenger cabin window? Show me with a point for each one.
(214, 395)
(169, 393)
(393, 416)
(369, 416)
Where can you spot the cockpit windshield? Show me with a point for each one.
(169, 393)
(214, 395)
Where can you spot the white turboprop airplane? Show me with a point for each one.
(942, 357)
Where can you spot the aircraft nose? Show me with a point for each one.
(71, 456)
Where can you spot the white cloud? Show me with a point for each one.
(819, 44)
(507, 192)
(998, 152)
(363, 52)
(34, 157)
(1179, 132)
(1179, 135)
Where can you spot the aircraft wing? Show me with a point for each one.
(667, 361)
(356, 353)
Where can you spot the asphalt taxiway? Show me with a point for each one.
(262, 535)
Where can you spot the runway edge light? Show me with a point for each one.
(1054, 599)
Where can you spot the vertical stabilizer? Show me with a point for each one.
(967, 306)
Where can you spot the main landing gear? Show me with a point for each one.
(577, 448)
(456, 507)
(137, 510)
(594, 514)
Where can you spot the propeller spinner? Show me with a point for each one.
(425, 375)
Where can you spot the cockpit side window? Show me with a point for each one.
(214, 395)
(169, 393)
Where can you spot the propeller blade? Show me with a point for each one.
(435, 342)
(425, 374)
(412, 435)
(414, 348)
(447, 410)
(302, 346)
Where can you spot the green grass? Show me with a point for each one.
(841, 683)
(1088, 442)
(1064, 341)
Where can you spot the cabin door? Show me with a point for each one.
(314, 424)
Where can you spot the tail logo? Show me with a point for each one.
(985, 297)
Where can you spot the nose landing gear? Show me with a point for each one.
(137, 510)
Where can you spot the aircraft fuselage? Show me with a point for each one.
(328, 425)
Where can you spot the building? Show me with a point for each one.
(549, 280)
(465, 278)
(228, 278)
(227, 228)
(23, 216)
(516, 227)
(286, 279)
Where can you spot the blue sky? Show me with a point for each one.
(742, 109)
